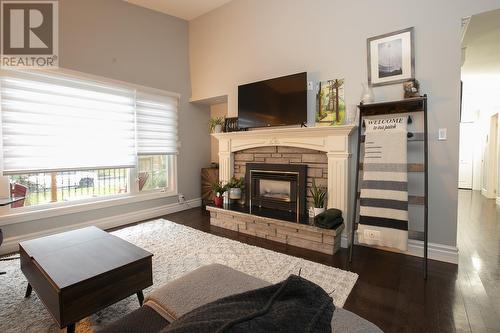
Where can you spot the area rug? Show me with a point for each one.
(177, 250)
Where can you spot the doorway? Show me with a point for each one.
(479, 114)
(466, 156)
(489, 187)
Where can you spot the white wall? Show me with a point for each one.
(216, 110)
(115, 39)
(248, 40)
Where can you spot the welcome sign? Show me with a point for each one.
(386, 124)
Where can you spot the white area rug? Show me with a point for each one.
(177, 250)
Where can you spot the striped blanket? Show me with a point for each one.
(383, 214)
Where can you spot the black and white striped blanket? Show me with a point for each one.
(383, 217)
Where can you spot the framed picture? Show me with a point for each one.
(330, 103)
(391, 58)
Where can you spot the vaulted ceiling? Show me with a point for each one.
(185, 9)
(482, 44)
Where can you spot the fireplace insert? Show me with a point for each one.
(279, 188)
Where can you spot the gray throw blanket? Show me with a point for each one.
(329, 219)
(294, 305)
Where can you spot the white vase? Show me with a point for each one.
(313, 211)
(318, 211)
(235, 193)
(367, 94)
(218, 128)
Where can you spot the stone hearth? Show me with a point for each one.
(296, 234)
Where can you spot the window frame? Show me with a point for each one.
(10, 215)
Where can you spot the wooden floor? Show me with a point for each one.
(390, 290)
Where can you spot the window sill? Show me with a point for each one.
(12, 216)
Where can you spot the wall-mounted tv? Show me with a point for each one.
(276, 102)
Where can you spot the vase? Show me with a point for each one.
(318, 211)
(218, 201)
(235, 193)
(367, 94)
(218, 128)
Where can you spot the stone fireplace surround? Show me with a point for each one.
(326, 151)
(316, 161)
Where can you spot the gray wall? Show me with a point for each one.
(248, 40)
(118, 40)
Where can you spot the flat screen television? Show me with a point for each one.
(276, 102)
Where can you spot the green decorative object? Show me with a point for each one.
(330, 109)
(215, 125)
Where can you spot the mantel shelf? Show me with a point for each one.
(343, 130)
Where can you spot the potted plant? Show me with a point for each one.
(236, 186)
(219, 191)
(319, 197)
(215, 125)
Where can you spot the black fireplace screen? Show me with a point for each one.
(279, 187)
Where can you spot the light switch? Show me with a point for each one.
(442, 134)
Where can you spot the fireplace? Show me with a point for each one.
(276, 190)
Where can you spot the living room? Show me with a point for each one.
(110, 133)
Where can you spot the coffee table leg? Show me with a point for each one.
(29, 289)
(70, 328)
(140, 296)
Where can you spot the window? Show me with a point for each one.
(67, 137)
(49, 187)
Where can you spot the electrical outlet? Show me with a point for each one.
(181, 198)
(372, 234)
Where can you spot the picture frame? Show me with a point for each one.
(391, 57)
(330, 103)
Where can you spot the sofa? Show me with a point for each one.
(205, 285)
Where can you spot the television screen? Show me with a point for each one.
(275, 102)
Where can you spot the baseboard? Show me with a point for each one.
(11, 244)
(437, 252)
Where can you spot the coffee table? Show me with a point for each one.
(80, 272)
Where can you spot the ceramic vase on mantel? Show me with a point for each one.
(218, 128)
(367, 94)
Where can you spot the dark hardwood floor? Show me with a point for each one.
(390, 290)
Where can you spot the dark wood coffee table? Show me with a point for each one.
(80, 272)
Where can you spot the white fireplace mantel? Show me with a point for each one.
(334, 141)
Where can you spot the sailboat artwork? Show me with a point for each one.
(391, 58)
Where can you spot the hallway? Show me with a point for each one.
(479, 261)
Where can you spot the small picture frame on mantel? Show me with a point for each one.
(391, 58)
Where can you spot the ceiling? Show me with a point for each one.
(184, 9)
(482, 44)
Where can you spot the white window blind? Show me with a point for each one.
(156, 124)
(56, 122)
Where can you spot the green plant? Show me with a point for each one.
(319, 195)
(236, 183)
(219, 189)
(214, 122)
